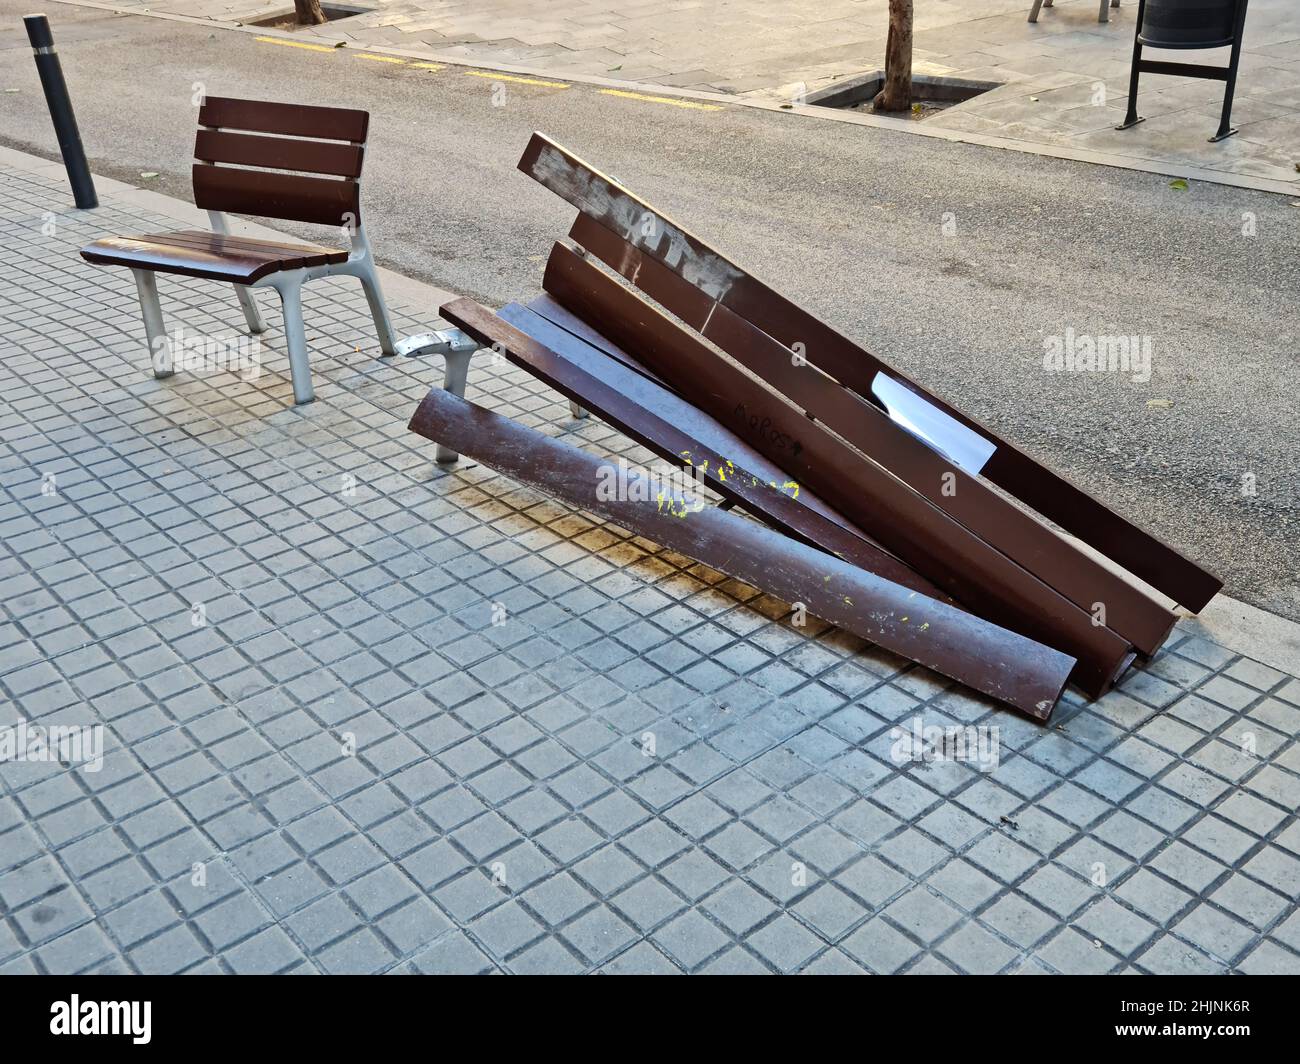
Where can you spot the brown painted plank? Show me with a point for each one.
(761, 497)
(321, 200)
(211, 255)
(287, 119)
(146, 254)
(1001, 664)
(278, 153)
(720, 280)
(886, 509)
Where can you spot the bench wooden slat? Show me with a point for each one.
(278, 153)
(287, 119)
(236, 242)
(895, 515)
(642, 227)
(210, 255)
(321, 200)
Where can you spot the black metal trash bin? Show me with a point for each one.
(1188, 24)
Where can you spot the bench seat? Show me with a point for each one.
(195, 253)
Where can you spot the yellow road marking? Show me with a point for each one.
(518, 80)
(378, 58)
(427, 66)
(671, 101)
(297, 44)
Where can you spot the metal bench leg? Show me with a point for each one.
(295, 335)
(1103, 15)
(249, 306)
(577, 412)
(378, 310)
(1033, 11)
(146, 286)
(453, 380)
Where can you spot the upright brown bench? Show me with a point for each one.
(242, 149)
(669, 340)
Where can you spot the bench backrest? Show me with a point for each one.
(327, 143)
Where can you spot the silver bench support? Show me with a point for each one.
(456, 348)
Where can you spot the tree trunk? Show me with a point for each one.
(310, 14)
(897, 93)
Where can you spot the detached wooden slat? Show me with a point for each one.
(720, 280)
(300, 199)
(278, 153)
(287, 119)
(1001, 664)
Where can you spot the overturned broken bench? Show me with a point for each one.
(892, 514)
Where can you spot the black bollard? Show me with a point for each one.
(65, 122)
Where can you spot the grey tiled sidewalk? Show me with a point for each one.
(495, 808)
(1064, 79)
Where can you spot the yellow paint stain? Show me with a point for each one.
(670, 101)
(494, 76)
(427, 66)
(379, 58)
(295, 44)
(925, 626)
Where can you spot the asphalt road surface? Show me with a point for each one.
(955, 262)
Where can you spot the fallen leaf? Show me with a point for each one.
(1159, 404)
(1179, 184)
(1033, 99)
(612, 69)
(149, 173)
(340, 44)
